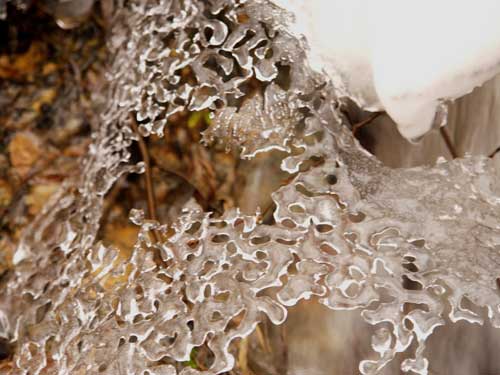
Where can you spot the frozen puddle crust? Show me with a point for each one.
(410, 249)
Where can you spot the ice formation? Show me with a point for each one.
(347, 229)
(404, 58)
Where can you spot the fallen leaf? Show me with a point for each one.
(46, 96)
(24, 149)
(22, 65)
(39, 195)
(5, 193)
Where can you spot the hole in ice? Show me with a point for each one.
(408, 307)
(216, 316)
(249, 34)
(207, 292)
(420, 243)
(260, 240)
(261, 255)
(231, 248)
(408, 324)
(352, 290)
(257, 50)
(236, 320)
(194, 228)
(168, 340)
(283, 78)
(302, 189)
(138, 318)
(312, 162)
(286, 242)
(326, 248)
(239, 224)
(467, 304)
(167, 279)
(222, 297)
(132, 339)
(192, 244)
(207, 267)
(331, 179)
(357, 217)
(289, 223)
(42, 311)
(139, 291)
(208, 32)
(410, 266)
(292, 268)
(410, 284)
(296, 208)
(324, 228)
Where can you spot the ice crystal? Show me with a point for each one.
(346, 228)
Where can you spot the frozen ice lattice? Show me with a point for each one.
(403, 245)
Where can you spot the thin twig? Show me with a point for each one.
(448, 142)
(492, 155)
(148, 175)
(243, 356)
(263, 342)
(359, 125)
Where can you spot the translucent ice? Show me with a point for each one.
(400, 245)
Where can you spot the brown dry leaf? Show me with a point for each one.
(23, 65)
(225, 167)
(243, 356)
(7, 249)
(49, 68)
(194, 166)
(25, 149)
(45, 96)
(39, 195)
(77, 150)
(5, 193)
(122, 236)
(203, 175)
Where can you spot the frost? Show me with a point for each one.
(401, 245)
(262, 123)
